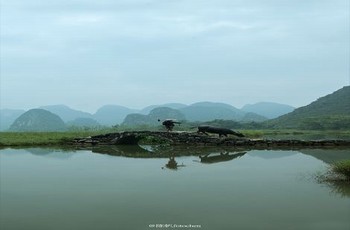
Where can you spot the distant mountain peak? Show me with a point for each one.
(65, 112)
(213, 104)
(268, 109)
(149, 108)
(38, 120)
(112, 114)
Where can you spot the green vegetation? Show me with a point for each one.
(42, 138)
(342, 168)
(62, 138)
(335, 122)
(329, 112)
(337, 177)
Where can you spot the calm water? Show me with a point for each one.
(56, 189)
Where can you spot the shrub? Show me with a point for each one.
(342, 168)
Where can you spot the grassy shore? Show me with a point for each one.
(337, 177)
(342, 168)
(40, 138)
(61, 138)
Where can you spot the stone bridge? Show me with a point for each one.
(195, 139)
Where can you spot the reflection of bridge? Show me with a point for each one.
(136, 151)
(211, 158)
(195, 139)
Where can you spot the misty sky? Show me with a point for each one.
(134, 53)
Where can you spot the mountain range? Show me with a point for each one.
(110, 115)
(331, 111)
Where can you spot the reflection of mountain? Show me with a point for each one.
(328, 156)
(137, 151)
(51, 153)
(124, 150)
(271, 154)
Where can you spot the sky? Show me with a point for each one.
(135, 53)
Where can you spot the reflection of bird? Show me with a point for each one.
(172, 164)
(169, 123)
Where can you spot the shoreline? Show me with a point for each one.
(290, 139)
(195, 139)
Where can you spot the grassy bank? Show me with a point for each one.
(61, 138)
(337, 177)
(342, 168)
(40, 138)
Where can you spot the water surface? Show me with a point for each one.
(56, 189)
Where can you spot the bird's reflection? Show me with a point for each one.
(172, 164)
(223, 156)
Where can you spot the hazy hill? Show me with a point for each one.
(207, 111)
(83, 122)
(201, 111)
(136, 119)
(112, 114)
(161, 113)
(66, 113)
(268, 109)
(8, 116)
(249, 117)
(328, 112)
(36, 120)
(148, 109)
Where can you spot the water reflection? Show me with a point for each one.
(328, 156)
(124, 150)
(57, 153)
(272, 154)
(341, 187)
(309, 136)
(206, 154)
(96, 191)
(172, 163)
(214, 158)
(136, 151)
(51, 152)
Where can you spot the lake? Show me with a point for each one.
(172, 188)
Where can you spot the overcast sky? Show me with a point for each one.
(134, 53)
